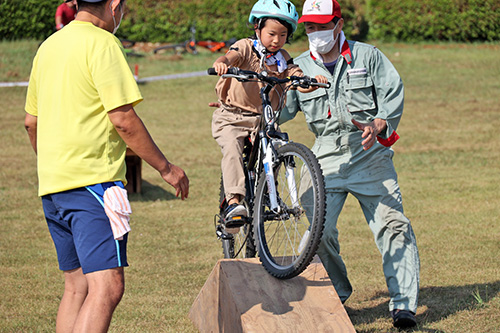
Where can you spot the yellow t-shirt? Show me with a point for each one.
(79, 74)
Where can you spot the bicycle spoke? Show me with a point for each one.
(282, 237)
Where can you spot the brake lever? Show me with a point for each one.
(241, 78)
(303, 83)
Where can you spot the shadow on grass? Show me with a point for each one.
(440, 303)
(152, 192)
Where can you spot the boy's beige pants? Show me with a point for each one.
(230, 127)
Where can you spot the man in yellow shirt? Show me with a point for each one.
(80, 118)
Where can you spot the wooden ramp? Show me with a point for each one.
(240, 296)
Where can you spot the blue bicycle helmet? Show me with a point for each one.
(281, 9)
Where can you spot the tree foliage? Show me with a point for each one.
(434, 20)
(171, 20)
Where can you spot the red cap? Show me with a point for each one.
(320, 11)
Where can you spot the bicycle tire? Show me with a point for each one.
(240, 244)
(279, 236)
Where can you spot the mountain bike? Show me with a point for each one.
(191, 44)
(285, 192)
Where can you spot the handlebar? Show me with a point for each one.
(244, 75)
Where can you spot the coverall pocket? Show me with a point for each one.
(316, 104)
(359, 93)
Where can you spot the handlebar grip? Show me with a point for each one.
(323, 85)
(230, 70)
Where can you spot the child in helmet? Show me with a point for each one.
(240, 106)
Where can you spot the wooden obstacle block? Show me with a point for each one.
(240, 296)
(134, 172)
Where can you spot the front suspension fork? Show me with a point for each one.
(267, 151)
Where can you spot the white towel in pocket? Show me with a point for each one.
(117, 208)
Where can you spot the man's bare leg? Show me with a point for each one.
(105, 290)
(75, 292)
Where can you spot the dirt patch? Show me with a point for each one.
(146, 47)
(12, 74)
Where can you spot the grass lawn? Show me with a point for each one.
(448, 162)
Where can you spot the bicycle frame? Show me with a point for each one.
(263, 151)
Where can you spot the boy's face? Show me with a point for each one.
(273, 35)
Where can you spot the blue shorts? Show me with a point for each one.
(81, 231)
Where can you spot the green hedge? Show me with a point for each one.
(170, 20)
(27, 19)
(435, 20)
(157, 21)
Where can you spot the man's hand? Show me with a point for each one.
(321, 79)
(176, 177)
(370, 131)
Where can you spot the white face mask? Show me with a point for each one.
(322, 41)
(114, 21)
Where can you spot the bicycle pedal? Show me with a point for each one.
(235, 222)
(238, 218)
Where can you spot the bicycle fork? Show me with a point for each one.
(292, 186)
(267, 161)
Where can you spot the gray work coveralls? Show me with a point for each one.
(364, 85)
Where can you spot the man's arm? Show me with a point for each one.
(390, 99)
(132, 130)
(291, 107)
(389, 90)
(30, 124)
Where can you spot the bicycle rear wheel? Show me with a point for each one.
(239, 244)
(288, 240)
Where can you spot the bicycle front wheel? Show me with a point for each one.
(288, 238)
